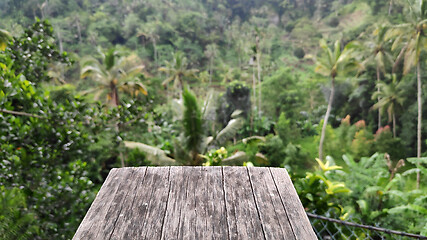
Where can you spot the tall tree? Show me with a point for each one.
(211, 52)
(114, 73)
(392, 98)
(333, 62)
(176, 71)
(412, 35)
(379, 54)
(149, 31)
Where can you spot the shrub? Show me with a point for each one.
(289, 27)
(334, 22)
(299, 53)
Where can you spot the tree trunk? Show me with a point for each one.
(114, 94)
(390, 7)
(155, 52)
(259, 85)
(399, 58)
(419, 117)
(378, 99)
(325, 121)
(79, 31)
(254, 86)
(394, 125)
(61, 49)
(115, 100)
(210, 71)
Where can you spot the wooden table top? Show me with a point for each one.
(196, 203)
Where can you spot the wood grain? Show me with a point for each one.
(125, 228)
(196, 203)
(297, 217)
(273, 216)
(92, 220)
(242, 215)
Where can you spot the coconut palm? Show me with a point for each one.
(333, 62)
(391, 99)
(114, 73)
(411, 36)
(149, 31)
(379, 54)
(194, 140)
(176, 71)
(4, 39)
(211, 52)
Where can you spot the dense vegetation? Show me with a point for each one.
(332, 86)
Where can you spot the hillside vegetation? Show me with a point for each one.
(332, 90)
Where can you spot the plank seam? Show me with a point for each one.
(180, 209)
(225, 203)
(256, 203)
(133, 200)
(149, 204)
(112, 174)
(283, 204)
(167, 204)
(121, 207)
(275, 211)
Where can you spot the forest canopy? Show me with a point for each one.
(332, 90)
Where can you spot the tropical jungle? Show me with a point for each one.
(331, 90)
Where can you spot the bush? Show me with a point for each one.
(334, 22)
(289, 27)
(299, 53)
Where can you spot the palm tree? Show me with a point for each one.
(114, 73)
(177, 70)
(379, 54)
(4, 39)
(149, 31)
(211, 52)
(333, 62)
(392, 98)
(412, 35)
(194, 140)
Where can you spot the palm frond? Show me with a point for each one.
(233, 126)
(192, 121)
(155, 155)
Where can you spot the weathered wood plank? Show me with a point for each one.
(196, 203)
(187, 228)
(201, 197)
(294, 209)
(216, 224)
(242, 216)
(157, 207)
(177, 194)
(272, 213)
(116, 206)
(97, 211)
(125, 226)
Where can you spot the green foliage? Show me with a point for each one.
(44, 154)
(318, 192)
(192, 121)
(57, 140)
(215, 157)
(334, 22)
(236, 97)
(34, 50)
(286, 130)
(385, 143)
(282, 93)
(299, 53)
(274, 150)
(16, 221)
